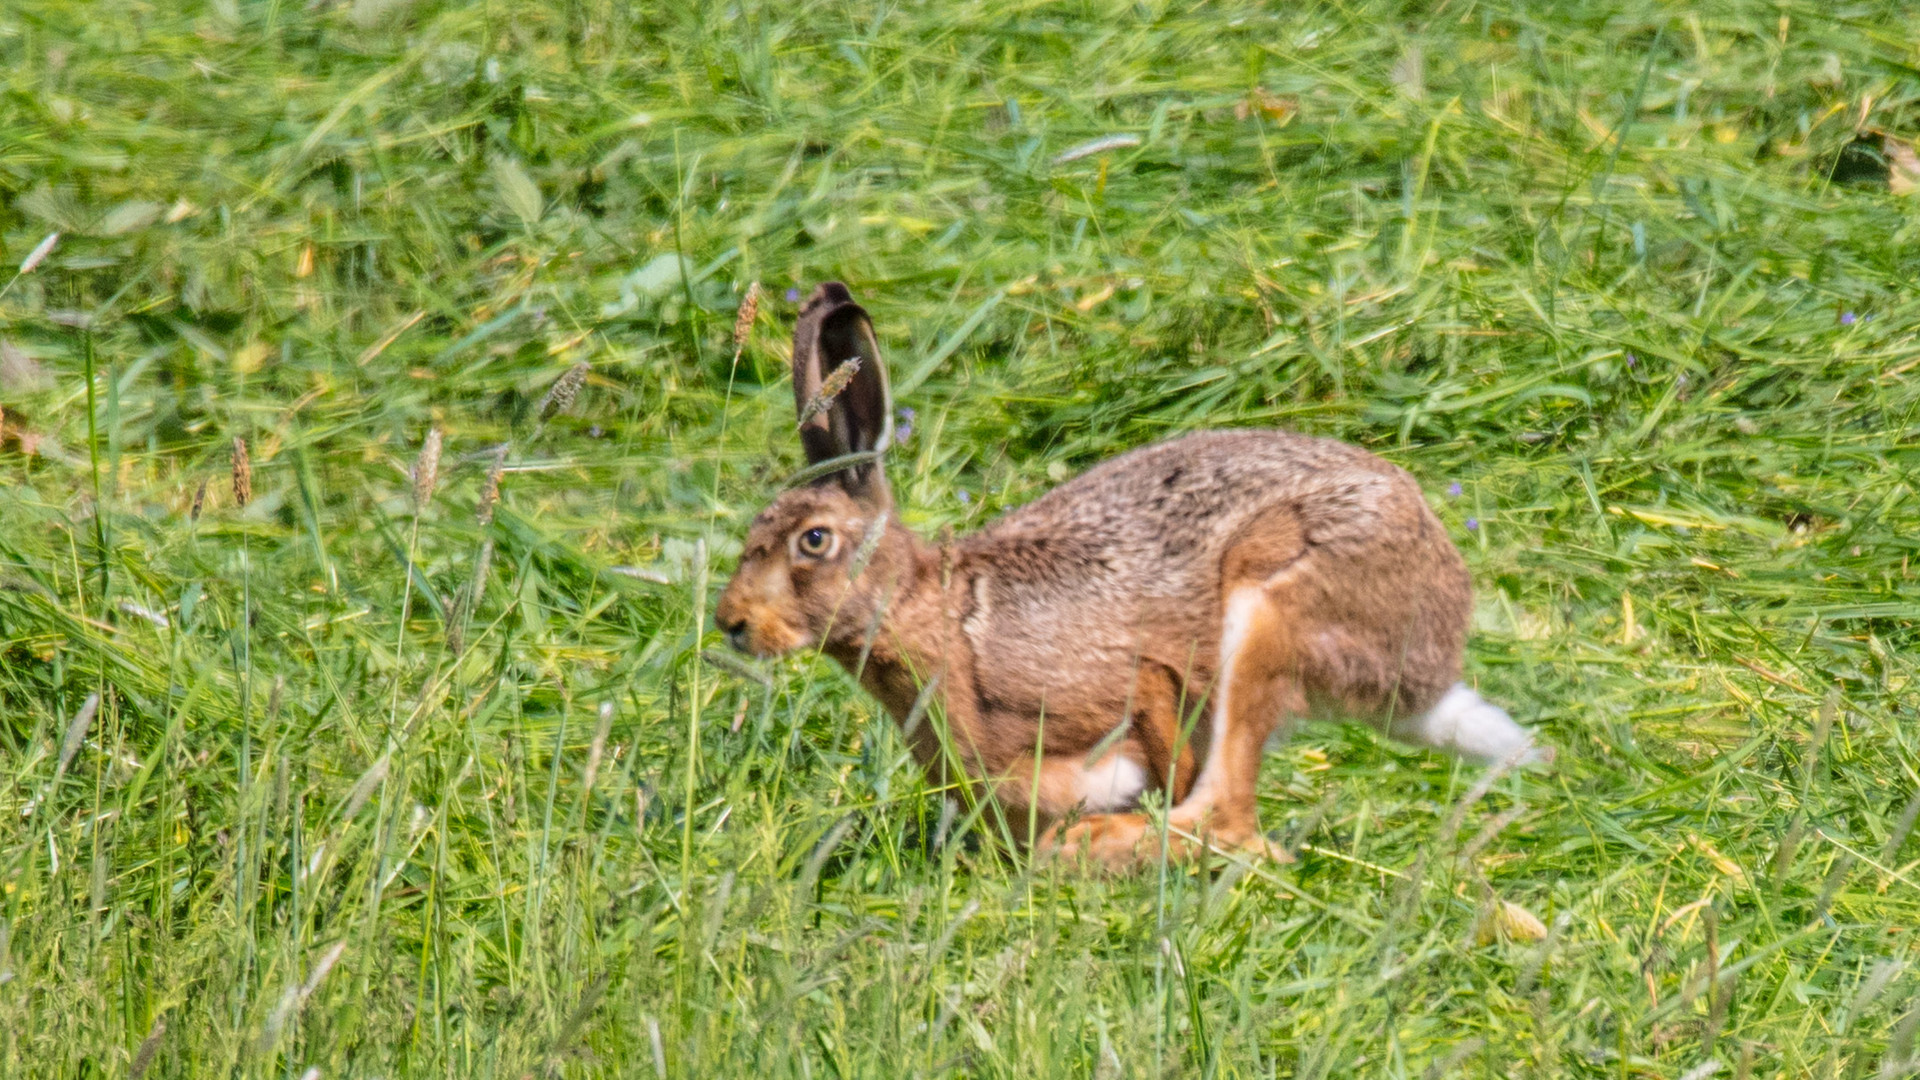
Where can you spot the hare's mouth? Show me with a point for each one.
(737, 637)
(740, 636)
(763, 641)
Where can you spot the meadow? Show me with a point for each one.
(380, 425)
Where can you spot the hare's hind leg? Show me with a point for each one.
(1256, 689)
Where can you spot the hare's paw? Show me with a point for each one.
(1115, 841)
(1122, 842)
(1253, 846)
(1188, 839)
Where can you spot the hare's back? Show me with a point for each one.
(1157, 519)
(1068, 593)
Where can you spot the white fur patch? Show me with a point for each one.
(1233, 634)
(977, 626)
(1471, 726)
(1112, 783)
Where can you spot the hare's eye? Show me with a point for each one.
(816, 542)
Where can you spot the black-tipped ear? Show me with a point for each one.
(833, 331)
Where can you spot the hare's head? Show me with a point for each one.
(813, 562)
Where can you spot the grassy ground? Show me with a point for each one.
(375, 789)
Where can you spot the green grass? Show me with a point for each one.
(1632, 277)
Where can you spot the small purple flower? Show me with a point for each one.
(907, 413)
(1632, 360)
(793, 296)
(901, 433)
(595, 432)
(1473, 524)
(1453, 489)
(965, 498)
(1848, 318)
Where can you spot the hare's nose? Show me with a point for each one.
(736, 631)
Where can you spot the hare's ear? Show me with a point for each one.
(856, 415)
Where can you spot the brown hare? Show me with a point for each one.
(1147, 625)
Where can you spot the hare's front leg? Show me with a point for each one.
(1038, 799)
(1159, 726)
(1123, 840)
(1115, 841)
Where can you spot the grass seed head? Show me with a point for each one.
(490, 491)
(242, 473)
(199, 501)
(77, 733)
(456, 639)
(426, 468)
(749, 310)
(564, 390)
(482, 563)
(39, 253)
(470, 596)
(829, 389)
(1508, 921)
(598, 748)
(364, 787)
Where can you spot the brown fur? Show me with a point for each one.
(1103, 601)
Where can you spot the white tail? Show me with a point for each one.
(1470, 725)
